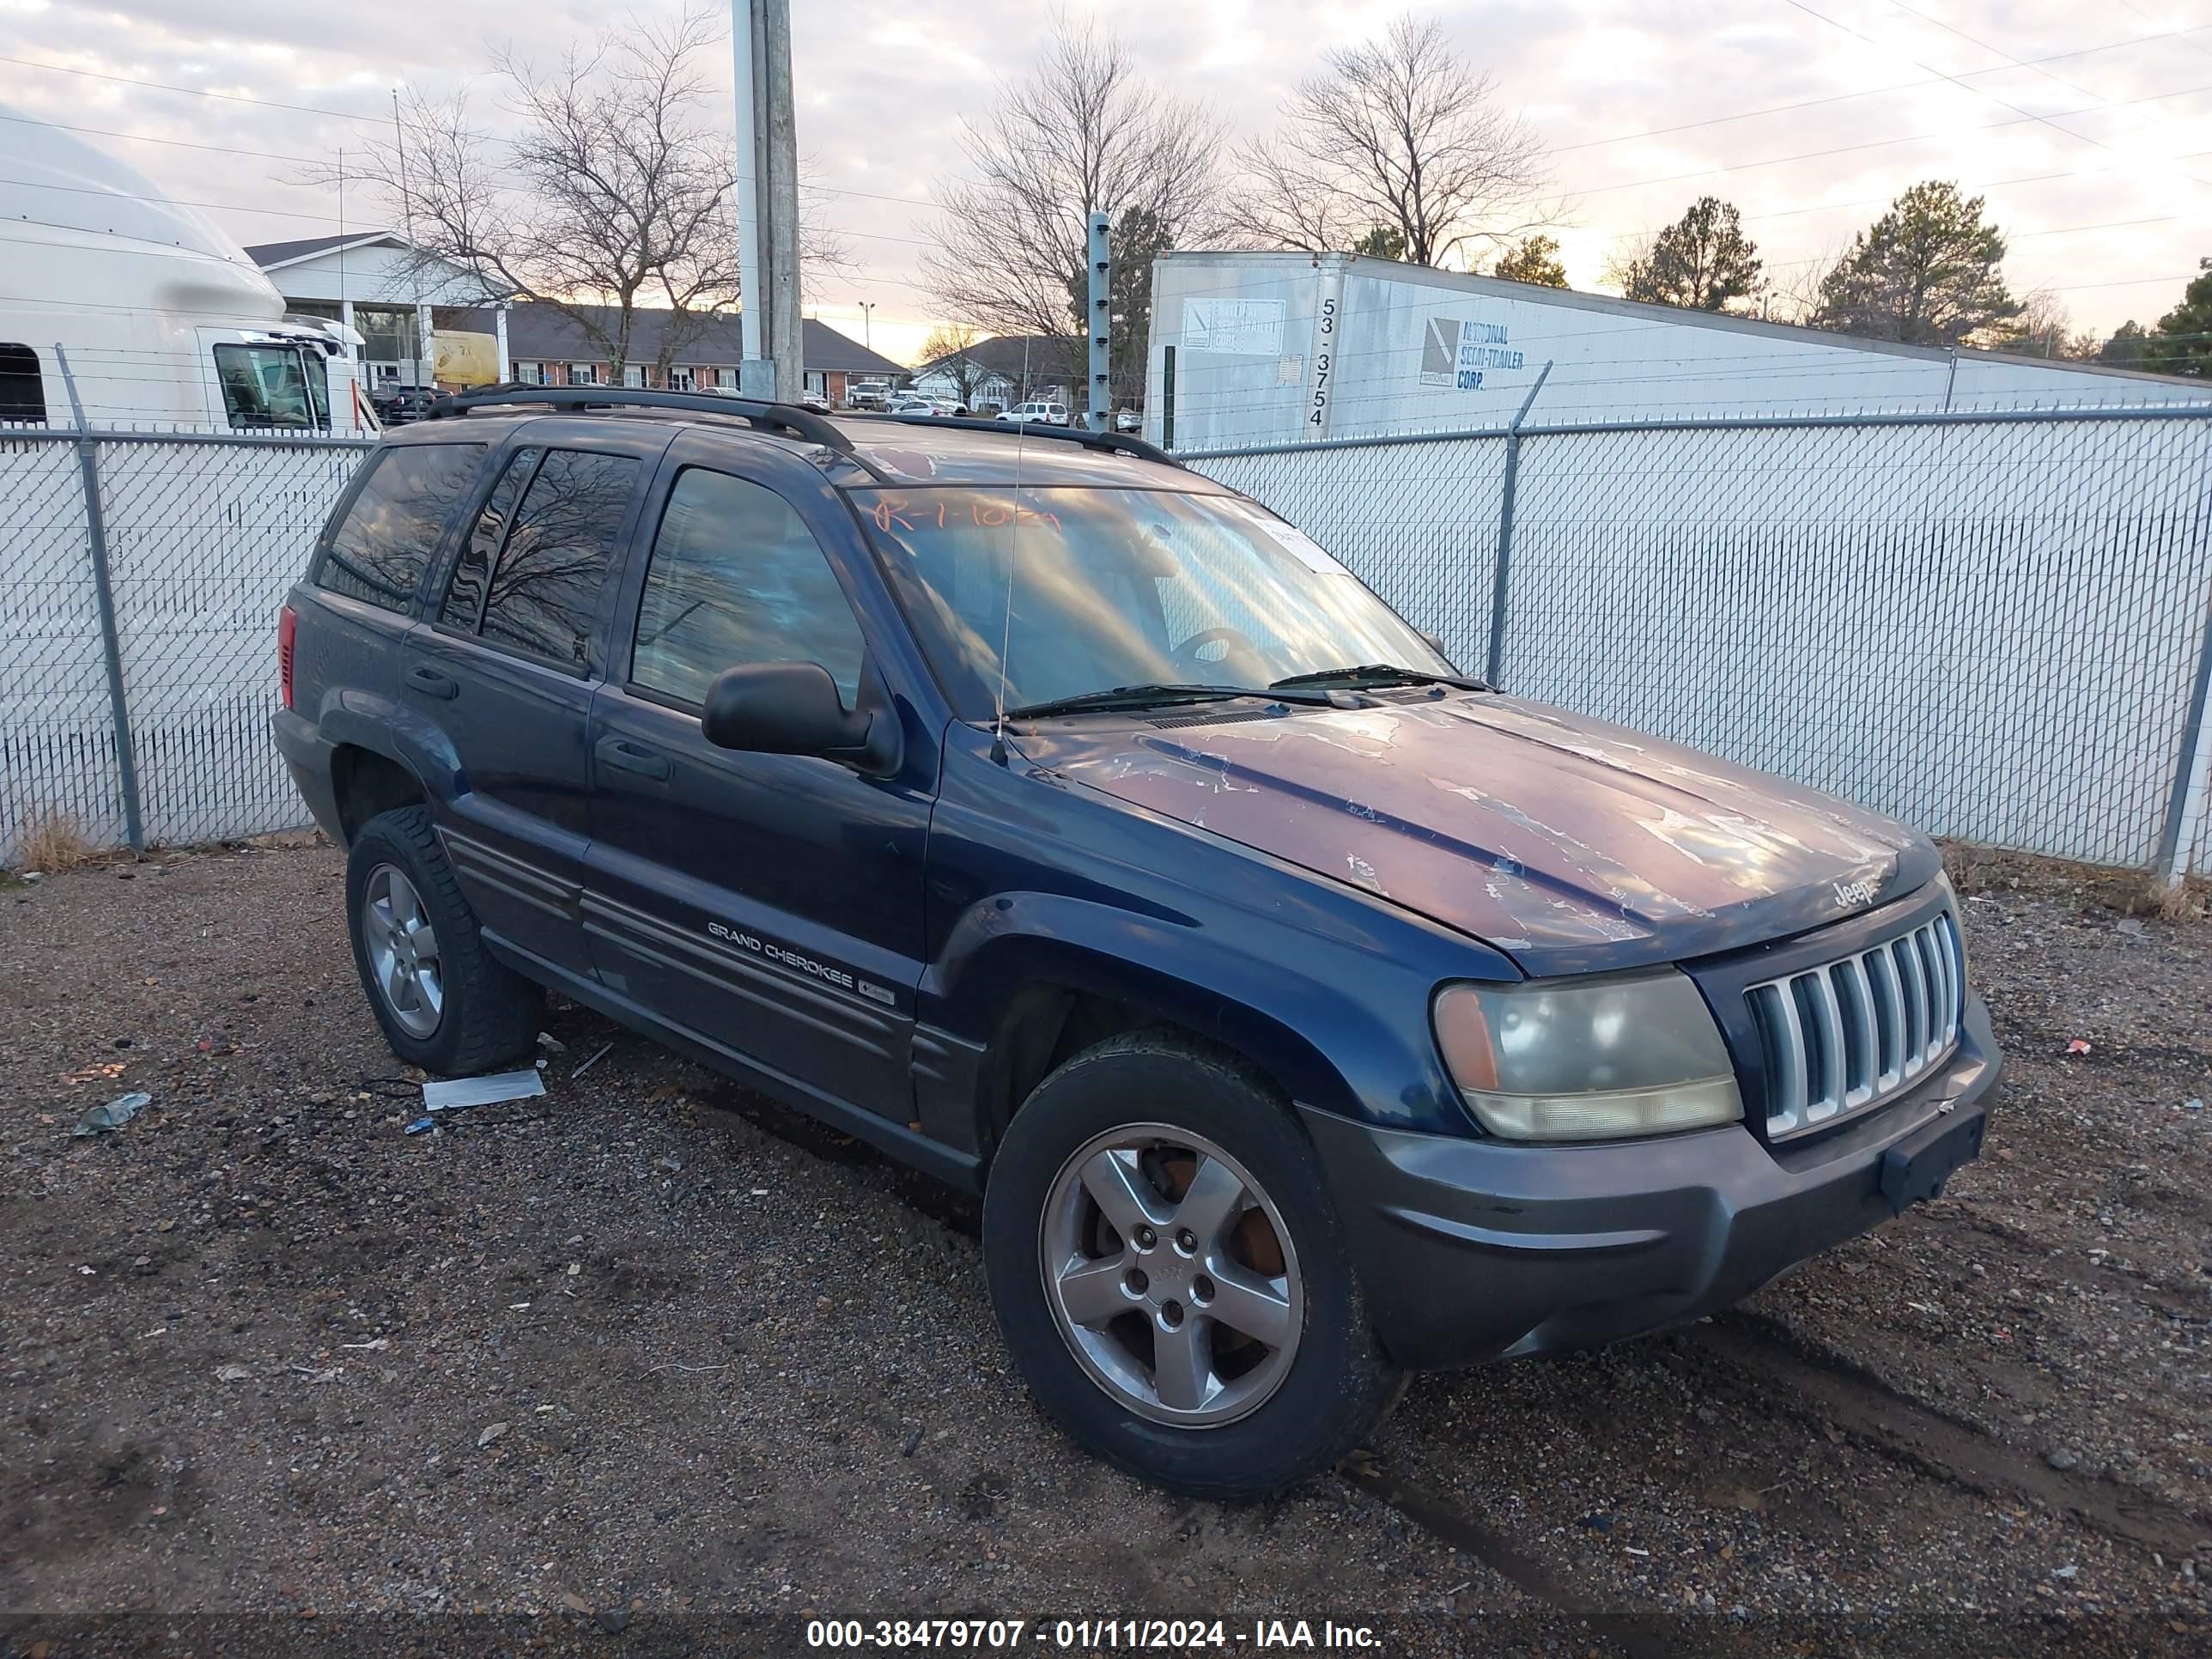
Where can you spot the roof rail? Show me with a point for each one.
(1120, 443)
(790, 418)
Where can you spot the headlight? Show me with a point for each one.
(1591, 1059)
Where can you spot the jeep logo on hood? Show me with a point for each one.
(1852, 894)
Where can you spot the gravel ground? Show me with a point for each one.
(651, 1365)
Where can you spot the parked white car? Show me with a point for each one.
(1041, 412)
(917, 403)
(868, 394)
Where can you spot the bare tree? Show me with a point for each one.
(2045, 328)
(1079, 133)
(1401, 135)
(610, 191)
(950, 347)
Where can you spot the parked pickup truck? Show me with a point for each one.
(1304, 1010)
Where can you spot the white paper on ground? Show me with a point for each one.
(482, 1091)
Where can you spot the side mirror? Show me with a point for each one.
(1435, 645)
(794, 709)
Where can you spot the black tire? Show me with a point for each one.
(491, 1014)
(1339, 1384)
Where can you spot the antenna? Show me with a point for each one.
(1013, 560)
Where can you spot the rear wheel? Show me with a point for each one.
(1172, 1276)
(444, 1003)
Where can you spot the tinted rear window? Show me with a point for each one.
(463, 605)
(387, 539)
(545, 588)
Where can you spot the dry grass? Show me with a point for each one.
(52, 842)
(2130, 892)
(2189, 899)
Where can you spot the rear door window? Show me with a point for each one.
(391, 529)
(554, 557)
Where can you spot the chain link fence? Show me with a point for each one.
(149, 725)
(1993, 626)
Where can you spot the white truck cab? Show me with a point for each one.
(159, 318)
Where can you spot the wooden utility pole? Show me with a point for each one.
(768, 201)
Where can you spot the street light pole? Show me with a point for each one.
(868, 324)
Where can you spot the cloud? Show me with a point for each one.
(2072, 152)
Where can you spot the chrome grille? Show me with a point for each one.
(1852, 1033)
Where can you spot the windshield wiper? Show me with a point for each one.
(1156, 696)
(1378, 673)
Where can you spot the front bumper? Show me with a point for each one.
(1473, 1248)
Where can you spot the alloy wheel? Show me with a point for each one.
(1171, 1275)
(403, 950)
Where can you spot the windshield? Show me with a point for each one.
(1115, 587)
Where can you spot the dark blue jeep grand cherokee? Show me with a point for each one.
(1076, 829)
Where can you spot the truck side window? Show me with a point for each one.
(463, 608)
(544, 589)
(22, 390)
(738, 577)
(266, 386)
(380, 549)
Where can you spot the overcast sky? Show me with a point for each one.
(2096, 163)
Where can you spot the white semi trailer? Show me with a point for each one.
(1265, 348)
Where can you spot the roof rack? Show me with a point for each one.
(790, 418)
(1118, 442)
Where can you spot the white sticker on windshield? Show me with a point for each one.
(1302, 547)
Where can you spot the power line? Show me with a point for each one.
(193, 92)
(169, 201)
(1882, 144)
(1871, 91)
(1980, 92)
(2010, 62)
(145, 138)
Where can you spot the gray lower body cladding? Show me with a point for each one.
(1473, 1249)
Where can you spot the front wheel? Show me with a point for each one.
(1172, 1277)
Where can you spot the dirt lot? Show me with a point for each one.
(648, 1365)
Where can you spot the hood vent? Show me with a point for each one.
(1213, 717)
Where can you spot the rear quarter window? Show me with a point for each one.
(391, 530)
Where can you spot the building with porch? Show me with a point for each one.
(426, 322)
(401, 299)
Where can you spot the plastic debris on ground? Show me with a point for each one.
(2077, 1046)
(458, 1093)
(113, 1114)
(422, 1126)
(598, 1055)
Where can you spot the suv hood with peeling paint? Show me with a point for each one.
(1573, 845)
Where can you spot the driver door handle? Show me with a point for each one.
(627, 756)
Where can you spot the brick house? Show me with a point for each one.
(545, 348)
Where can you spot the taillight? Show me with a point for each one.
(287, 625)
